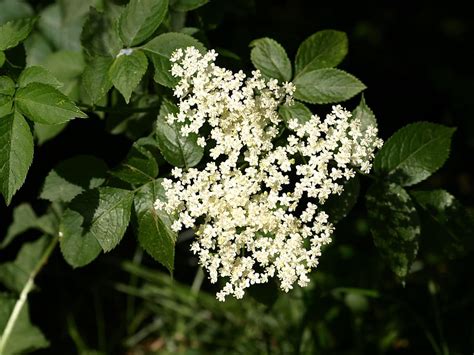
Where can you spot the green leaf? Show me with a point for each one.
(14, 9)
(270, 58)
(6, 105)
(62, 34)
(72, 9)
(2, 58)
(297, 111)
(176, 149)
(15, 274)
(7, 86)
(100, 35)
(126, 72)
(7, 90)
(73, 176)
(67, 66)
(16, 153)
(44, 133)
(37, 49)
(394, 224)
(365, 115)
(24, 337)
(187, 5)
(24, 218)
(78, 246)
(138, 168)
(95, 79)
(160, 49)
(448, 227)
(339, 206)
(414, 152)
(325, 86)
(15, 31)
(140, 19)
(154, 227)
(102, 215)
(37, 75)
(44, 104)
(324, 49)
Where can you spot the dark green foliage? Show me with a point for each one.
(394, 224)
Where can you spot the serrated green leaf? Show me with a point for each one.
(177, 149)
(414, 152)
(140, 19)
(394, 224)
(102, 215)
(44, 104)
(16, 153)
(15, 274)
(73, 176)
(138, 168)
(448, 226)
(271, 59)
(36, 74)
(339, 206)
(365, 115)
(160, 49)
(323, 49)
(46, 132)
(24, 337)
(95, 79)
(325, 86)
(7, 86)
(154, 227)
(187, 5)
(100, 35)
(298, 111)
(15, 31)
(126, 72)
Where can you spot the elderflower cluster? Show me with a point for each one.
(256, 207)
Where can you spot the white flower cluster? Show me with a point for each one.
(256, 207)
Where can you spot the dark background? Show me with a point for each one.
(416, 60)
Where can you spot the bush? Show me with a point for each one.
(142, 177)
